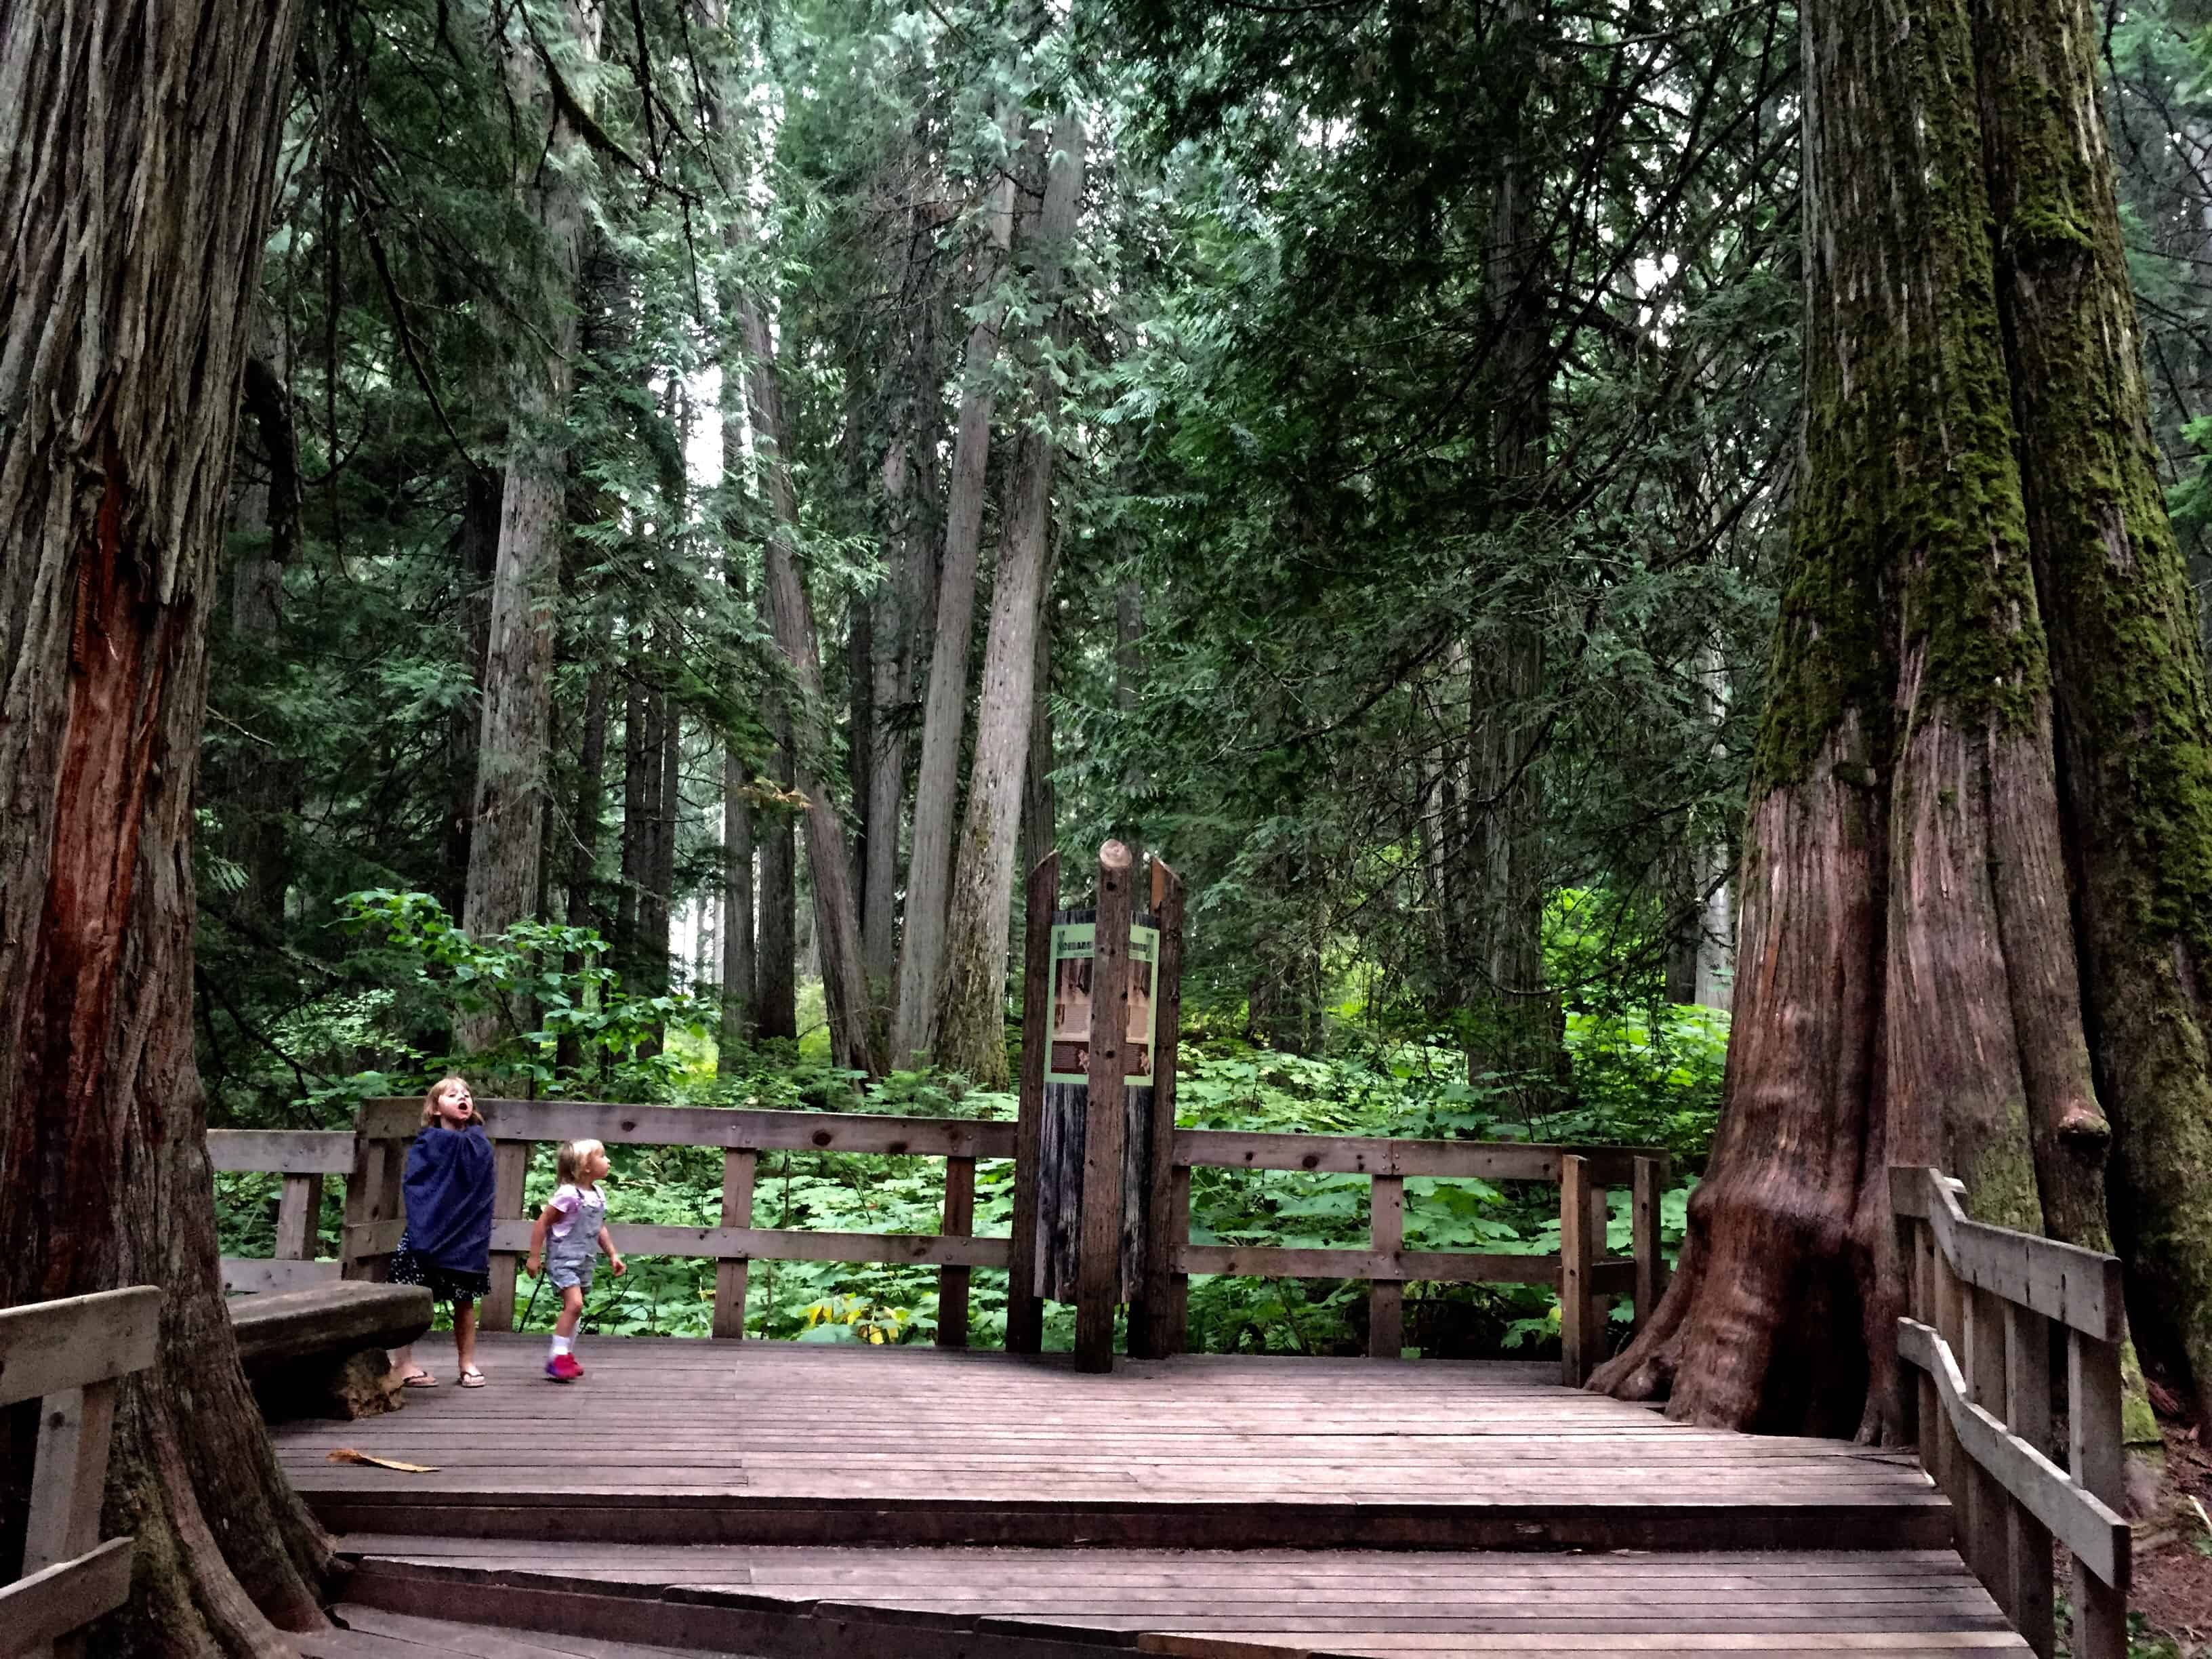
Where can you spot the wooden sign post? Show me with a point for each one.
(1095, 1136)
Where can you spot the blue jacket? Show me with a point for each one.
(448, 1190)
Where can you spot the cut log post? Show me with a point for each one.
(1386, 1298)
(1024, 1303)
(733, 1273)
(1099, 1267)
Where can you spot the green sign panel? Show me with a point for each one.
(1073, 944)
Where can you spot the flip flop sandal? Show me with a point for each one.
(418, 1379)
(472, 1378)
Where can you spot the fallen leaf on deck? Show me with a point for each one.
(348, 1454)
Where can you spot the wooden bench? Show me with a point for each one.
(319, 1351)
(69, 1355)
(326, 1320)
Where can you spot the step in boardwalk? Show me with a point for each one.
(684, 1441)
(1070, 1603)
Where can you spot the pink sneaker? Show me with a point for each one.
(564, 1368)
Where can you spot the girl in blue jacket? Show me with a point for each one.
(446, 1244)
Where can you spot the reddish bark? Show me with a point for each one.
(138, 154)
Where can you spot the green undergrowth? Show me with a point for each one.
(1633, 1085)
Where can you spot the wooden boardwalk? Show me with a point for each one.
(801, 1499)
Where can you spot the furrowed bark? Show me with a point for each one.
(505, 842)
(971, 1011)
(2135, 728)
(137, 152)
(854, 1037)
(1906, 988)
(937, 783)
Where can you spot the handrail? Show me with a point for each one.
(372, 1154)
(69, 1355)
(1585, 1278)
(384, 1127)
(1980, 1303)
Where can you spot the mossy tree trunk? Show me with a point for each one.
(2134, 731)
(1907, 985)
(137, 156)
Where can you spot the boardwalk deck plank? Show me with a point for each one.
(805, 1501)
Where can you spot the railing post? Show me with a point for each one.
(1578, 1253)
(510, 1164)
(1024, 1307)
(297, 1214)
(1643, 1225)
(733, 1273)
(1386, 1298)
(953, 1282)
(1953, 1474)
(1983, 1359)
(1178, 1318)
(1098, 1249)
(2092, 1416)
(69, 1475)
(2027, 1413)
(1155, 1321)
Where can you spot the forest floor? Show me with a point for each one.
(2172, 1588)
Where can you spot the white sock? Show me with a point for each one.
(561, 1346)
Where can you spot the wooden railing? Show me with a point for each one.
(374, 1222)
(303, 1157)
(1585, 1277)
(373, 1154)
(1981, 1301)
(68, 1356)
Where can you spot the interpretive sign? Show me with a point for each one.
(1073, 945)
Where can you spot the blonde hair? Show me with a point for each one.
(569, 1160)
(430, 1100)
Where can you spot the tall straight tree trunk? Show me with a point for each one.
(937, 783)
(737, 920)
(1128, 681)
(641, 743)
(1908, 991)
(854, 1037)
(504, 845)
(971, 1017)
(1040, 798)
(137, 152)
(584, 835)
(776, 966)
(895, 627)
(476, 555)
(1516, 1034)
(265, 784)
(2134, 730)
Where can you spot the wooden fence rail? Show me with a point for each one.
(372, 1154)
(1585, 1278)
(1981, 1305)
(69, 1355)
(373, 1221)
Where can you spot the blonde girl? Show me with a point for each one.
(571, 1230)
(446, 1243)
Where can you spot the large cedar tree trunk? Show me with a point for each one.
(2134, 732)
(138, 150)
(971, 1035)
(1906, 990)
